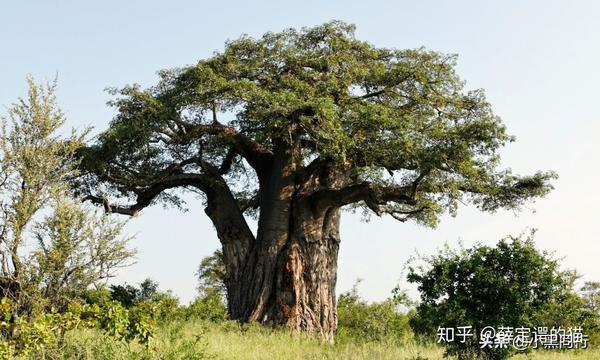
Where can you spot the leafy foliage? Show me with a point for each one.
(360, 321)
(126, 295)
(77, 248)
(512, 284)
(71, 246)
(403, 135)
(207, 306)
(212, 276)
(148, 289)
(590, 297)
(45, 331)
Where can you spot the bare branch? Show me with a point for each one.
(403, 216)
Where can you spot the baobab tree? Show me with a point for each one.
(292, 128)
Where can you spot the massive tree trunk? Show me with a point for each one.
(306, 270)
(286, 275)
(292, 284)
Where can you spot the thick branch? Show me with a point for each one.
(374, 196)
(258, 156)
(227, 161)
(146, 195)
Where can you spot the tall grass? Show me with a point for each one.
(204, 340)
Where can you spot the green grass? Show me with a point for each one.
(201, 340)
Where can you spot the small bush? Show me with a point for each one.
(208, 306)
(360, 321)
(166, 307)
(22, 335)
(99, 296)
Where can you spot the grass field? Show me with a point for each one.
(201, 340)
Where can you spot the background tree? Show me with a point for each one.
(148, 289)
(292, 127)
(212, 276)
(76, 246)
(212, 289)
(512, 284)
(130, 295)
(127, 295)
(590, 295)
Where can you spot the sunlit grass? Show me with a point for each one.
(201, 340)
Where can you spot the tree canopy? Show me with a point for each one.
(410, 140)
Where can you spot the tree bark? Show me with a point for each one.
(290, 270)
(304, 297)
(235, 236)
(293, 285)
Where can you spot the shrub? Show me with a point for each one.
(98, 296)
(208, 306)
(360, 321)
(53, 246)
(22, 335)
(512, 284)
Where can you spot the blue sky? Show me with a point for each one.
(539, 62)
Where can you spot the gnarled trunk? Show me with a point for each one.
(286, 275)
(292, 283)
(304, 297)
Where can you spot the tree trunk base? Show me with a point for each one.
(294, 285)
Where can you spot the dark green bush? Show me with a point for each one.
(98, 296)
(126, 295)
(512, 284)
